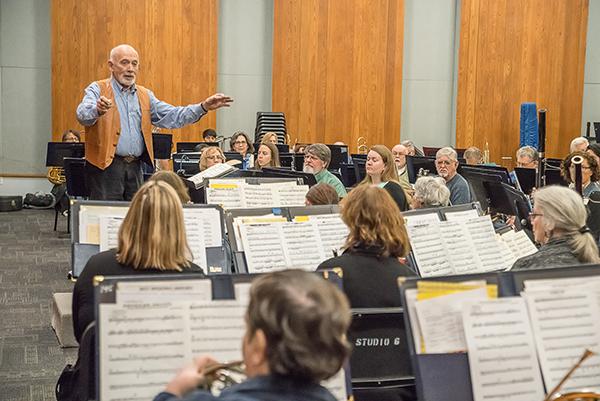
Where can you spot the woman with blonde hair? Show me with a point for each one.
(381, 171)
(269, 137)
(151, 240)
(376, 241)
(210, 156)
(559, 225)
(174, 181)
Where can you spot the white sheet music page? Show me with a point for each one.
(519, 243)
(332, 232)
(227, 193)
(422, 219)
(210, 221)
(302, 247)
(484, 240)
(163, 291)
(89, 221)
(502, 356)
(217, 328)
(411, 300)
(213, 171)
(109, 232)
(260, 195)
(195, 238)
(440, 319)
(141, 347)
(462, 216)
(263, 247)
(290, 195)
(565, 323)
(429, 250)
(459, 248)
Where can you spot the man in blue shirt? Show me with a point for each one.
(119, 138)
(446, 163)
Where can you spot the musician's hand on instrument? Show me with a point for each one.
(188, 378)
(103, 105)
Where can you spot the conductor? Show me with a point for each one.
(118, 116)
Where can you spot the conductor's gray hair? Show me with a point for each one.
(528, 151)
(432, 192)
(578, 141)
(563, 210)
(447, 151)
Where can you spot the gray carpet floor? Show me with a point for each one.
(34, 261)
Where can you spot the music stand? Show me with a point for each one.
(308, 178)
(477, 180)
(75, 177)
(161, 144)
(57, 151)
(339, 155)
(185, 147)
(507, 200)
(501, 172)
(233, 156)
(420, 164)
(526, 178)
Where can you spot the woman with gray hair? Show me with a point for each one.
(430, 192)
(559, 225)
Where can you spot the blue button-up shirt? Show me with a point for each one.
(131, 141)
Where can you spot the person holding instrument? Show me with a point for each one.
(118, 116)
(296, 325)
(589, 172)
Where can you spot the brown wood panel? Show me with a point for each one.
(176, 41)
(337, 69)
(515, 51)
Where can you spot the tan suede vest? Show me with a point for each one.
(101, 138)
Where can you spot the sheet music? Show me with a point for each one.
(217, 328)
(163, 291)
(440, 320)
(301, 245)
(459, 248)
(210, 221)
(109, 232)
(502, 356)
(518, 243)
(484, 241)
(422, 219)
(462, 216)
(211, 172)
(429, 251)
(411, 300)
(263, 247)
(195, 238)
(137, 360)
(291, 195)
(258, 196)
(332, 232)
(228, 198)
(565, 323)
(237, 221)
(89, 221)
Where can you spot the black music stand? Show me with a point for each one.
(420, 165)
(57, 151)
(339, 155)
(507, 200)
(526, 178)
(162, 144)
(185, 147)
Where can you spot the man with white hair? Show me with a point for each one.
(119, 138)
(400, 152)
(579, 144)
(446, 163)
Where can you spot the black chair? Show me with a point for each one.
(380, 362)
(82, 382)
(270, 122)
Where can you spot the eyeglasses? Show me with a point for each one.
(532, 216)
(214, 157)
(444, 162)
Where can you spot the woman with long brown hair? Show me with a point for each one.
(376, 241)
(381, 171)
(152, 240)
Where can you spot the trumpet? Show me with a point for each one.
(361, 144)
(56, 175)
(218, 376)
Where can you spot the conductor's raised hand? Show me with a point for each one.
(103, 105)
(216, 101)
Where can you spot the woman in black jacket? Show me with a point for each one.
(381, 171)
(376, 241)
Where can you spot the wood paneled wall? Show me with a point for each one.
(515, 51)
(176, 41)
(337, 69)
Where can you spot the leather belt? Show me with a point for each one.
(128, 159)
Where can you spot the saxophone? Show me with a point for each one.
(56, 175)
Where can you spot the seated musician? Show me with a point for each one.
(296, 326)
(527, 157)
(590, 173)
(376, 240)
(151, 240)
(579, 144)
(174, 181)
(473, 156)
(381, 170)
(321, 194)
(240, 143)
(446, 163)
(56, 175)
(430, 192)
(209, 135)
(316, 159)
(210, 156)
(559, 225)
(268, 156)
(269, 137)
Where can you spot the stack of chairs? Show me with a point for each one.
(267, 121)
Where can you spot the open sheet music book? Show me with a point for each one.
(276, 244)
(236, 193)
(214, 171)
(144, 340)
(463, 245)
